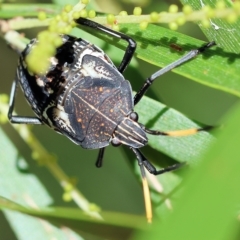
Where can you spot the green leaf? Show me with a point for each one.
(157, 116)
(226, 35)
(160, 117)
(209, 205)
(215, 67)
(75, 219)
(23, 187)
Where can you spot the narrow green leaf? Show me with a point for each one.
(215, 67)
(225, 34)
(18, 184)
(159, 117)
(209, 205)
(112, 223)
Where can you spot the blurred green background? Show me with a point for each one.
(113, 187)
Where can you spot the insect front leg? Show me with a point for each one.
(19, 119)
(131, 43)
(193, 53)
(144, 163)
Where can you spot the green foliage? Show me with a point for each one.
(75, 219)
(209, 204)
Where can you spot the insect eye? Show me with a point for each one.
(133, 116)
(116, 142)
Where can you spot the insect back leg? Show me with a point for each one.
(19, 119)
(131, 47)
(144, 163)
(142, 160)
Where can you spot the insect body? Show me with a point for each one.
(86, 98)
(83, 96)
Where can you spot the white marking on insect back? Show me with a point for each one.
(53, 61)
(133, 140)
(103, 72)
(62, 117)
(88, 49)
(40, 82)
(90, 69)
(95, 71)
(134, 131)
(128, 137)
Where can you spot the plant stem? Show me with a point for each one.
(27, 10)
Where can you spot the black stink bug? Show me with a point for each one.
(86, 98)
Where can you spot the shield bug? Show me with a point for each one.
(85, 97)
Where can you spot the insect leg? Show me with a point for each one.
(131, 43)
(146, 193)
(100, 157)
(141, 158)
(177, 133)
(143, 162)
(193, 53)
(19, 119)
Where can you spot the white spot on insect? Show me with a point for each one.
(84, 49)
(103, 72)
(95, 71)
(53, 61)
(40, 82)
(61, 117)
(65, 69)
(50, 91)
(90, 69)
